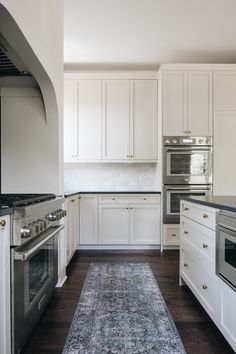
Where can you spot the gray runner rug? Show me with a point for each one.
(121, 311)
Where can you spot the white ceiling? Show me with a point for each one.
(149, 32)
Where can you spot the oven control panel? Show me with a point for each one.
(187, 140)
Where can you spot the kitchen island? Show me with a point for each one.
(206, 248)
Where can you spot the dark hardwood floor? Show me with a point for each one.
(198, 332)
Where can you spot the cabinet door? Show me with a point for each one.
(70, 120)
(225, 90)
(75, 224)
(224, 169)
(226, 312)
(143, 119)
(88, 219)
(175, 103)
(113, 224)
(69, 229)
(200, 103)
(5, 297)
(89, 119)
(115, 119)
(145, 224)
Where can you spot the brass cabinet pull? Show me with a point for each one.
(144, 198)
(72, 200)
(204, 245)
(3, 222)
(204, 286)
(186, 209)
(186, 233)
(185, 265)
(173, 235)
(113, 198)
(205, 216)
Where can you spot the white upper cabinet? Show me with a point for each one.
(174, 102)
(187, 103)
(143, 119)
(110, 119)
(225, 90)
(89, 119)
(200, 103)
(82, 119)
(115, 119)
(70, 120)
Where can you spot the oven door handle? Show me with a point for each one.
(189, 149)
(23, 256)
(188, 189)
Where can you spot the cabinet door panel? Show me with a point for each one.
(89, 119)
(88, 220)
(113, 224)
(174, 102)
(69, 229)
(145, 224)
(225, 90)
(143, 119)
(200, 103)
(115, 119)
(224, 170)
(70, 120)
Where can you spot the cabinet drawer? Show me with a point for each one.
(171, 235)
(203, 215)
(201, 238)
(200, 282)
(129, 199)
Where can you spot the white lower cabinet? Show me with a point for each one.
(113, 224)
(72, 225)
(226, 312)
(171, 234)
(120, 219)
(5, 276)
(88, 219)
(145, 224)
(198, 267)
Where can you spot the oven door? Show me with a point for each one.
(226, 255)
(171, 200)
(35, 271)
(187, 165)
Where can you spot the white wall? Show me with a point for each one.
(112, 177)
(41, 24)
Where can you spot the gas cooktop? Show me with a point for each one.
(15, 200)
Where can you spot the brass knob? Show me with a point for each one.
(186, 233)
(144, 198)
(173, 235)
(186, 209)
(205, 216)
(113, 198)
(3, 222)
(185, 265)
(204, 245)
(72, 200)
(204, 286)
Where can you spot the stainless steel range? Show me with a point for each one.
(187, 171)
(36, 223)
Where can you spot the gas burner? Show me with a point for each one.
(17, 200)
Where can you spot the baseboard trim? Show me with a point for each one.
(118, 247)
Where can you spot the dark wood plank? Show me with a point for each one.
(198, 332)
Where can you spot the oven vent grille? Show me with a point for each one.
(7, 68)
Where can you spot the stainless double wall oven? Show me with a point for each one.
(187, 171)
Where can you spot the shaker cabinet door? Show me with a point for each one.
(88, 219)
(200, 103)
(70, 120)
(143, 119)
(115, 119)
(175, 103)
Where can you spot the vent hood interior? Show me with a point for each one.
(10, 63)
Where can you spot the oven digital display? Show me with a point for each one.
(187, 141)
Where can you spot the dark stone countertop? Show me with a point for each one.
(69, 194)
(218, 202)
(5, 211)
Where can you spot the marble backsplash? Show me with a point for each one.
(112, 177)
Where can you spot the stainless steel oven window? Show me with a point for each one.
(38, 272)
(187, 163)
(173, 199)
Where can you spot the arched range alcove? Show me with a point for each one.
(30, 152)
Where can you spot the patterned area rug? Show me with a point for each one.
(121, 311)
